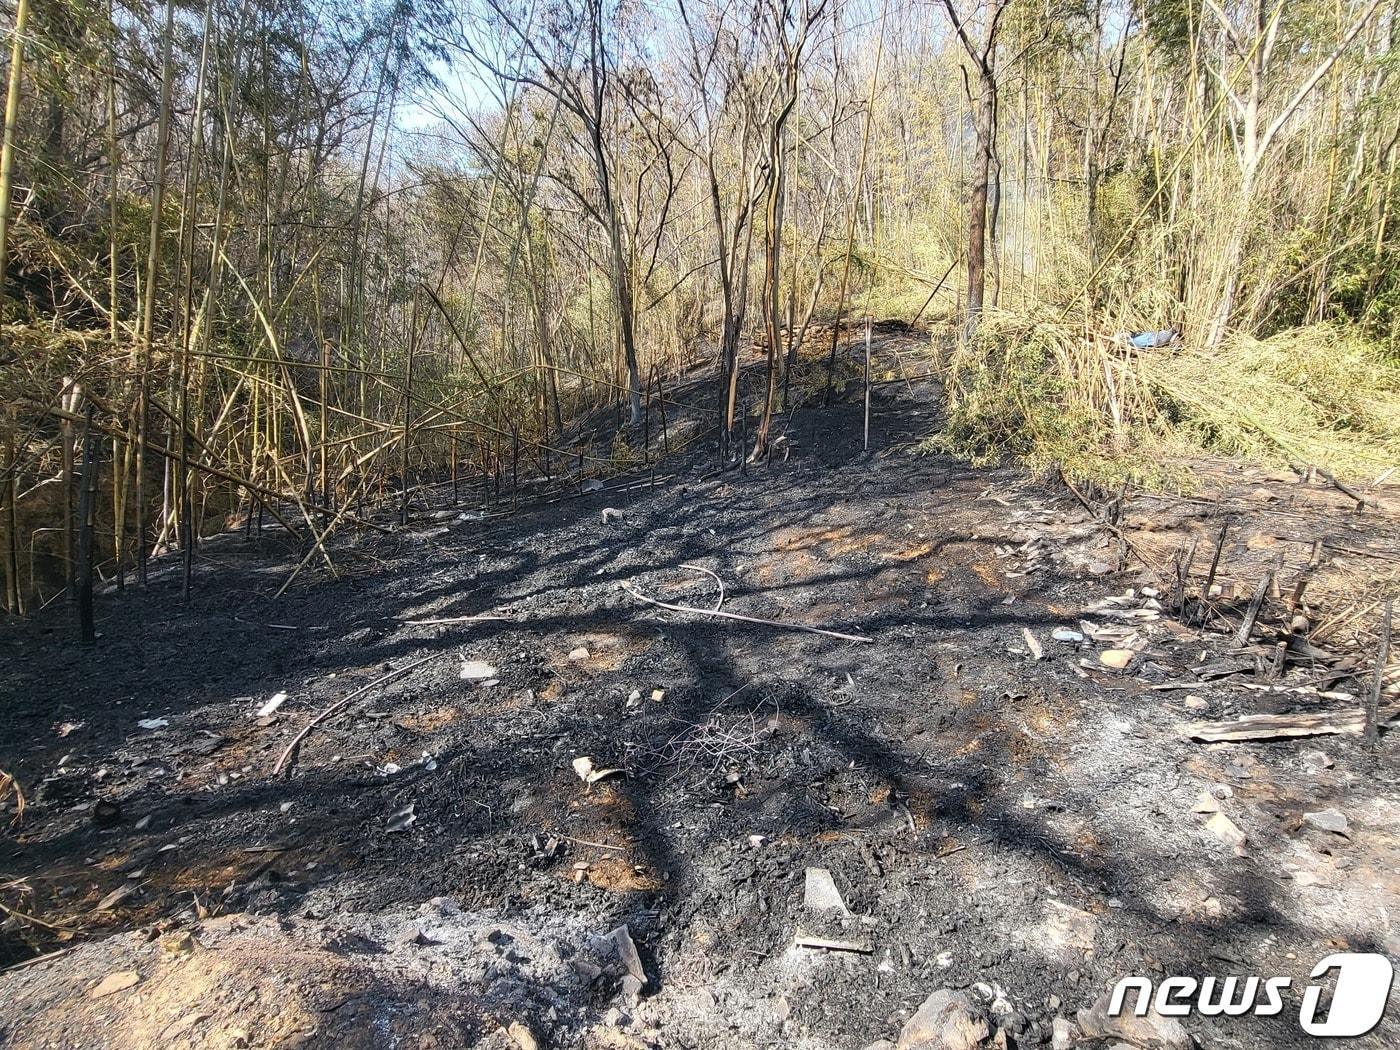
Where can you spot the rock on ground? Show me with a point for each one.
(946, 1021)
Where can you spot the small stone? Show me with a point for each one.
(820, 893)
(113, 983)
(1117, 658)
(658, 695)
(1332, 820)
(524, 1038)
(1316, 761)
(1226, 830)
(1063, 1034)
(177, 944)
(947, 1020)
(1206, 803)
(1151, 1030)
(477, 671)
(1196, 703)
(580, 653)
(1068, 929)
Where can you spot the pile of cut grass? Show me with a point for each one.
(1321, 395)
(1035, 389)
(1032, 389)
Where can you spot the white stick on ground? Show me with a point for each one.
(743, 619)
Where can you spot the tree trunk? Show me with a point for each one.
(977, 207)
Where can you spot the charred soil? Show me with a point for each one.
(1003, 811)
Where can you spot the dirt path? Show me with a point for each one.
(1018, 828)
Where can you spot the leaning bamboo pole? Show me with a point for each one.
(148, 315)
(7, 143)
(13, 590)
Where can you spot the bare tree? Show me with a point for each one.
(982, 55)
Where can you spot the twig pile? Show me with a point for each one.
(719, 741)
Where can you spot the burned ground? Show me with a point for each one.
(1016, 826)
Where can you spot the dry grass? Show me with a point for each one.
(9, 788)
(1321, 395)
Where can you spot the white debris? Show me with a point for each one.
(821, 893)
(276, 701)
(586, 771)
(477, 671)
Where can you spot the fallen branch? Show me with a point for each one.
(1361, 502)
(743, 619)
(718, 583)
(451, 619)
(832, 944)
(1348, 722)
(339, 705)
(1373, 699)
(586, 842)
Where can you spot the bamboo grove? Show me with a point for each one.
(296, 259)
